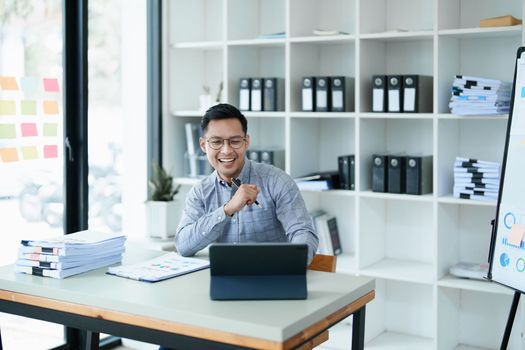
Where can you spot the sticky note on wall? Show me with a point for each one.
(7, 131)
(7, 107)
(516, 234)
(50, 107)
(50, 129)
(29, 152)
(28, 107)
(50, 151)
(28, 129)
(28, 84)
(8, 83)
(51, 84)
(8, 154)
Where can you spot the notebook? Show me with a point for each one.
(258, 271)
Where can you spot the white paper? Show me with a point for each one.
(256, 100)
(337, 99)
(409, 102)
(307, 100)
(244, 103)
(378, 100)
(321, 99)
(393, 100)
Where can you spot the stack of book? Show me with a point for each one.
(476, 179)
(475, 96)
(320, 181)
(71, 254)
(328, 233)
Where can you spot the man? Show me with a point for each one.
(218, 210)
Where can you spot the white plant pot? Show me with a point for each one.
(162, 218)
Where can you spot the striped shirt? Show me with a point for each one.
(282, 218)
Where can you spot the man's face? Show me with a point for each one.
(227, 160)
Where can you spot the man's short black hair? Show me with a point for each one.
(223, 111)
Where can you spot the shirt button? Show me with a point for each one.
(234, 220)
(220, 217)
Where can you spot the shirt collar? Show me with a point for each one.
(244, 176)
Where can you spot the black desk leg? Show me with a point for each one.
(358, 329)
(92, 340)
(1, 347)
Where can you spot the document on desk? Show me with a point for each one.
(160, 268)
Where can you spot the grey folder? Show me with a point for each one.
(258, 271)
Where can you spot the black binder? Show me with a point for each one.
(256, 100)
(322, 94)
(379, 93)
(308, 94)
(274, 157)
(395, 93)
(417, 93)
(346, 172)
(342, 93)
(418, 174)
(245, 94)
(273, 95)
(253, 155)
(396, 174)
(379, 173)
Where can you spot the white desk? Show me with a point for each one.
(179, 313)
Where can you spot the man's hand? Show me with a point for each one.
(246, 194)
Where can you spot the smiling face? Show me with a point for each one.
(228, 161)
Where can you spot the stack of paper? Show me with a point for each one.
(68, 255)
(475, 96)
(476, 179)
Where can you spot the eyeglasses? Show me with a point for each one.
(217, 142)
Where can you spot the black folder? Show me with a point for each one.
(341, 91)
(273, 95)
(256, 100)
(395, 93)
(396, 174)
(379, 173)
(346, 172)
(253, 155)
(417, 93)
(245, 94)
(418, 174)
(322, 94)
(308, 94)
(379, 93)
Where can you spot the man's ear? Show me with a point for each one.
(247, 142)
(202, 143)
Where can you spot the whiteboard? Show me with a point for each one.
(507, 250)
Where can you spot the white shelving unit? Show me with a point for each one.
(406, 242)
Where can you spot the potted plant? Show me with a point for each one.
(163, 211)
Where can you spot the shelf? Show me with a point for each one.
(448, 116)
(257, 42)
(346, 263)
(403, 197)
(450, 281)
(329, 39)
(372, 115)
(262, 114)
(187, 113)
(206, 45)
(399, 35)
(400, 270)
(477, 33)
(344, 193)
(398, 341)
(453, 200)
(469, 347)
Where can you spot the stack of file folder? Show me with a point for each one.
(476, 179)
(479, 96)
(68, 255)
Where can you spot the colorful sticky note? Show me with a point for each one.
(29, 152)
(50, 129)
(51, 84)
(50, 107)
(28, 84)
(7, 131)
(28, 129)
(8, 83)
(28, 107)
(8, 155)
(50, 151)
(7, 107)
(523, 92)
(516, 234)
